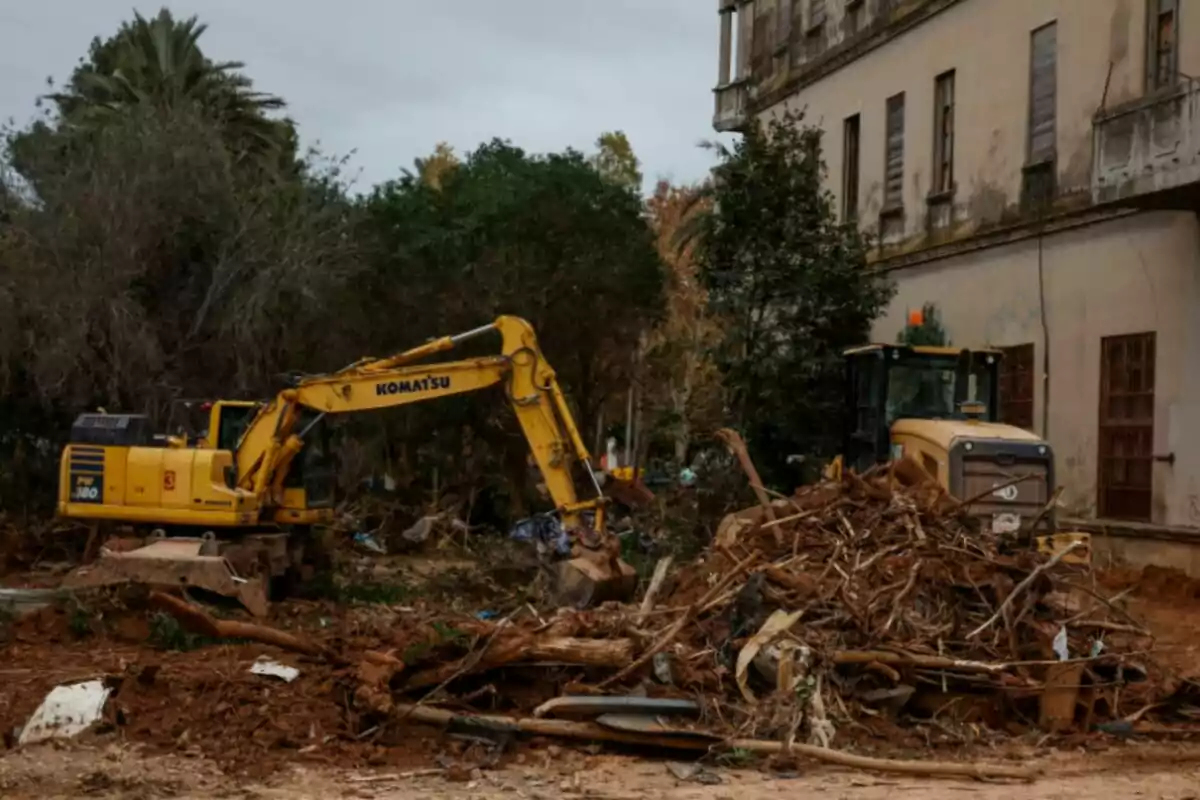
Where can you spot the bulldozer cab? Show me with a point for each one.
(886, 383)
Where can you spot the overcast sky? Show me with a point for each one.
(388, 79)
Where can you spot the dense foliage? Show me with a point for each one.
(791, 286)
(162, 243)
(162, 240)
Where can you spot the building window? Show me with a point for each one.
(943, 126)
(1016, 386)
(1162, 53)
(783, 27)
(1043, 93)
(851, 146)
(855, 15)
(1126, 426)
(893, 179)
(816, 16)
(1038, 178)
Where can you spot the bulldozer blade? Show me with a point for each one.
(172, 563)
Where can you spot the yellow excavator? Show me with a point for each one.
(233, 508)
(938, 406)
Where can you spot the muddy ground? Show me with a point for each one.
(187, 718)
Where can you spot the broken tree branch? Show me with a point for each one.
(197, 621)
(1022, 586)
(595, 732)
(737, 446)
(683, 620)
(656, 582)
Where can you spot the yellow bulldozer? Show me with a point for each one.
(234, 508)
(938, 406)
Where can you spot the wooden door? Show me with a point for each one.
(1126, 438)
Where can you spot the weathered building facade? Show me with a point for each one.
(1032, 167)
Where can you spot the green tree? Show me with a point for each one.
(545, 237)
(158, 63)
(615, 160)
(792, 288)
(151, 269)
(928, 331)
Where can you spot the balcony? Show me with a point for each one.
(732, 100)
(1147, 152)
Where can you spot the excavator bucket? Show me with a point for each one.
(172, 563)
(592, 577)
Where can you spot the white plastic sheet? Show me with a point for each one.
(67, 711)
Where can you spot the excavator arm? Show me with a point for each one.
(273, 439)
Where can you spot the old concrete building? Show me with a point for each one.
(1031, 166)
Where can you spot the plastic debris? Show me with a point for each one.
(268, 666)
(545, 531)
(67, 711)
(1060, 644)
(420, 530)
(369, 542)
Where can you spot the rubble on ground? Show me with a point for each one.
(851, 613)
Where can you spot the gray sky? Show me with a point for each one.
(388, 79)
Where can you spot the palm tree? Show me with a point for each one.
(158, 63)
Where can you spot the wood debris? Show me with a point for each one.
(851, 609)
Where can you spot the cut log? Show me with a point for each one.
(518, 647)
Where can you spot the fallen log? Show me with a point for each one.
(593, 732)
(518, 647)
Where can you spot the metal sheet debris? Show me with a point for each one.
(590, 706)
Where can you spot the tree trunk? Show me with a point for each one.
(519, 647)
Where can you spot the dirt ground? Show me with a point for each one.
(115, 771)
(196, 724)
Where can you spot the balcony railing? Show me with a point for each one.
(731, 104)
(1147, 147)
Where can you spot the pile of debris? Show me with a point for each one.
(877, 597)
(850, 610)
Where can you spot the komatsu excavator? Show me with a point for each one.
(232, 509)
